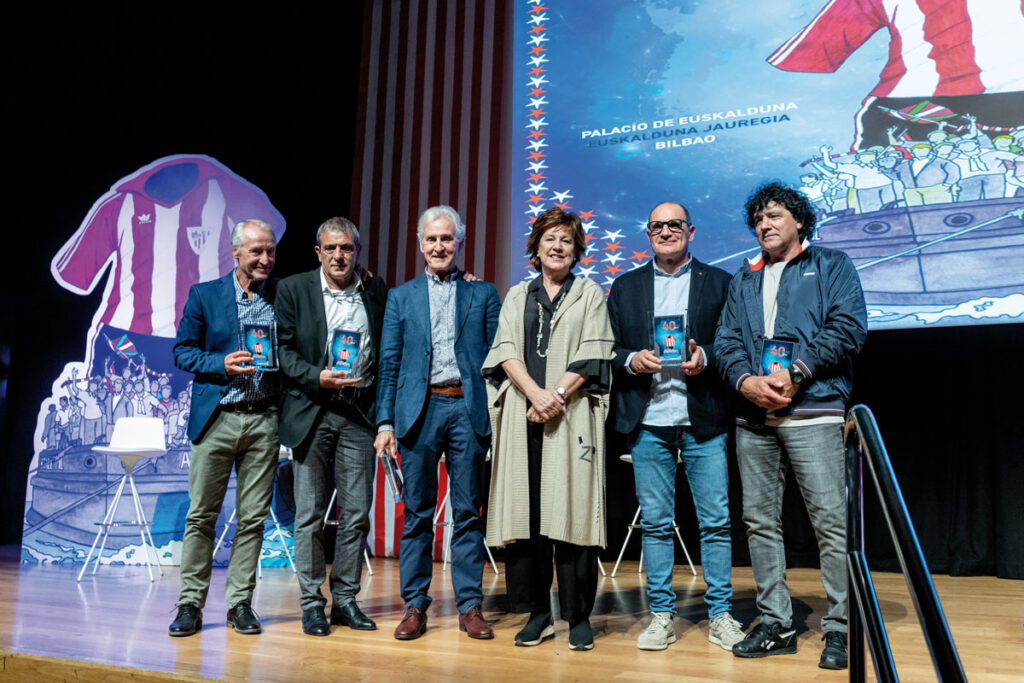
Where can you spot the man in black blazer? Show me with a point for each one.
(671, 411)
(328, 415)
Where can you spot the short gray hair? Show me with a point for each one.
(336, 225)
(442, 211)
(237, 236)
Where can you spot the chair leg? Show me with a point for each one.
(495, 566)
(141, 518)
(99, 532)
(108, 521)
(685, 551)
(220, 540)
(366, 558)
(280, 537)
(446, 540)
(601, 567)
(622, 552)
(330, 505)
(149, 532)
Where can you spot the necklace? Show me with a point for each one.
(540, 322)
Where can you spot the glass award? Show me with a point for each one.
(670, 339)
(344, 350)
(777, 354)
(261, 342)
(393, 474)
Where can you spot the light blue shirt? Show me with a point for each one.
(444, 369)
(667, 405)
(258, 385)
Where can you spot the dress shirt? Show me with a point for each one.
(444, 369)
(344, 310)
(667, 406)
(259, 385)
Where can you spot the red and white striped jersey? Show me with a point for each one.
(164, 228)
(936, 47)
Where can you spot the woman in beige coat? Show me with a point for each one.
(548, 372)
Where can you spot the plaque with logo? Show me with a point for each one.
(344, 350)
(777, 354)
(670, 339)
(261, 342)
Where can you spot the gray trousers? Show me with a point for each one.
(248, 443)
(343, 443)
(817, 456)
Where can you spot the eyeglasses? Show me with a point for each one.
(675, 226)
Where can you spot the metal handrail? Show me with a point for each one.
(864, 444)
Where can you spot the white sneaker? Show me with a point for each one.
(725, 631)
(659, 633)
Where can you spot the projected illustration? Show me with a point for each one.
(902, 121)
(157, 232)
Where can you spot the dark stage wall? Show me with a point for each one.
(307, 105)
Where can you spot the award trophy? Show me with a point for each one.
(344, 350)
(777, 354)
(670, 339)
(261, 342)
(393, 475)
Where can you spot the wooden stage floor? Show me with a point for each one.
(114, 627)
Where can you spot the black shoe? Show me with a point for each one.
(188, 621)
(834, 654)
(538, 629)
(314, 623)
(580, 636)
(765, 640)
(243, 619)
(350, 615)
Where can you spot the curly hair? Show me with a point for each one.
(794, 201)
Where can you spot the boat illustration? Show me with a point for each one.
(72, 489)
(935, 254)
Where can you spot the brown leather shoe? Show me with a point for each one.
(473, 623)
(413, 624)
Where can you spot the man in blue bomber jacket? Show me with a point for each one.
(792, 322)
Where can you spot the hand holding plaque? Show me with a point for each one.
(670, 339)
(344, 350)
(261, 342)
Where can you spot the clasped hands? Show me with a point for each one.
(547, 403)
(771, 392)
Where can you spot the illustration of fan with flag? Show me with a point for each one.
(123, 347)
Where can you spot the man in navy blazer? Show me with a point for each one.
(671, 412)
(431, 401)
(232, 423)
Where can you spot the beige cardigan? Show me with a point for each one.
(572, 486)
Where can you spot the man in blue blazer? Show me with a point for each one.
(233, 423)
(437, 331)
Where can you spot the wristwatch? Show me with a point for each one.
(796, 376)
(560, 391)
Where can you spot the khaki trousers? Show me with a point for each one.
(247, 442)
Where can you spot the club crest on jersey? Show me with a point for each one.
(197, 238)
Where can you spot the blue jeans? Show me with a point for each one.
(444, 427)
(817, 456)
(654, 451)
